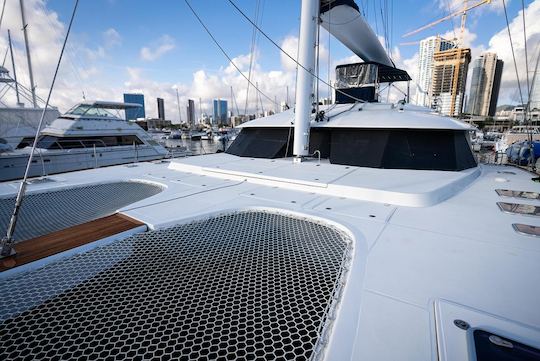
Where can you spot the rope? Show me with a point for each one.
(7, 241)
(224, 52)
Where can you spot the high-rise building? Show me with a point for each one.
(220, 111)
(427, 49)
(447, 89)
(161, 108)
(191, 112)
(134, 113)
(485, 84)
(497, 79)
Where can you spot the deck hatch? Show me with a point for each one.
(492, 347)
(43, 213)
(517, 194)
(247, 285)
(517, 208)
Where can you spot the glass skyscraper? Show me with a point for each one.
(220, 112)
(132, 114)
(485, 84)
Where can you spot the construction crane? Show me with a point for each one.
(462, 12)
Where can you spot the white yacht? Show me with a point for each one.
(366, 231)
(87, 136)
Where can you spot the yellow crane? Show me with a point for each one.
(462, 12)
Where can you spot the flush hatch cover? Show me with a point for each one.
(247, 285)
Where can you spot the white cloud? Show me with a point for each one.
(456, 5)
(163, 45)
(290, 46)
(500, 44)
(111, 38)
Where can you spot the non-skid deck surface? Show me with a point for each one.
(242, 286)
(69, 238)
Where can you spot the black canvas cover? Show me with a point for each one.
(423, 149)
(327, 5)
(402, 149)
(261, 143)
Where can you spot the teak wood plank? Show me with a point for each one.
(69, 238)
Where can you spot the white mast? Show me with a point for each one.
(31, 74)
(304, 81)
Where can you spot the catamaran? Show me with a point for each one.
(354, 231)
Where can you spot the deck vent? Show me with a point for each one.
(249, 285)
(517, 208)
(46, 212)
(527, 229)
(517, 194)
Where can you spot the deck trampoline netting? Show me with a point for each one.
(43, 213)
(246, 285)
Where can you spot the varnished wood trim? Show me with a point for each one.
(44, 246)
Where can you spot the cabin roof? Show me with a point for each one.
(367, 115)
(111, 105)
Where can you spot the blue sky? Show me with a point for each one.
(179, 52)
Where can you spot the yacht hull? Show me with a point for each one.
(13, 166)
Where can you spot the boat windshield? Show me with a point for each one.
(90, 110)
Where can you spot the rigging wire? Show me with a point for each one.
(329, 52)
(513, 53)
(7, 241)
(2, 15)
(447, 2)
(289, 56)
(317, 63)
(70, 56)
(224, 52)
(252, 54)
(525, 45)
(5, 56)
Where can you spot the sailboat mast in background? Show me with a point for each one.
(28, 57)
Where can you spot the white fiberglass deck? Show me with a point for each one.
(427, 247)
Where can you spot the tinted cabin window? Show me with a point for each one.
(375, 148)
(261, 143)
(50, 142)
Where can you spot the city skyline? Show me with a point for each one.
(124, 55)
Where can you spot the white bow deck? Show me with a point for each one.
(442, 249)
